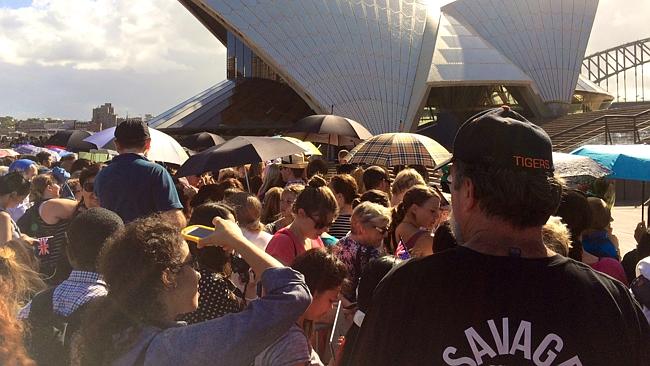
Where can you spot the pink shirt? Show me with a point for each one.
(285, 246)
(611, 267)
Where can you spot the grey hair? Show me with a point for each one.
(372, 213)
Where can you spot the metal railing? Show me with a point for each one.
(606, 126)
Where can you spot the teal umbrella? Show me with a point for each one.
(630, 162)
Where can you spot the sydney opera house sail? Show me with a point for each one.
(388, 63)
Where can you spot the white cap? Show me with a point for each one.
(643, 268)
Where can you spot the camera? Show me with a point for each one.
(240, 266)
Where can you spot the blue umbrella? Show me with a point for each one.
(630, 162)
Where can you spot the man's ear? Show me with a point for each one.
(469, 194)
(147, 144)
(168, 280)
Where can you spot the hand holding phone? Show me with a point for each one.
(195, 233)
(225, 234)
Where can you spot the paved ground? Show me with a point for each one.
(625, 220)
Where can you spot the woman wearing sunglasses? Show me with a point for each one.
(56, 214)
(369, 223)
(315, 210)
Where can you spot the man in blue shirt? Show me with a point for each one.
(131, 185)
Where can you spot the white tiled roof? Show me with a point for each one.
(360, 56)
(462, 57)
(547, 39)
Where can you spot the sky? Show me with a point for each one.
(61, 58)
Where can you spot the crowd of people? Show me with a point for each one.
(307, 265)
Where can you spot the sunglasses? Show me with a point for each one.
(382, 230)
(318, 224)
(89, 187)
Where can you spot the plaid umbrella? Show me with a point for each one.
(392, 149)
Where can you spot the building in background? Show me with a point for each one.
(391, 65)
(104, 117)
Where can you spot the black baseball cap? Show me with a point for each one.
(131, 131)
(504, 138)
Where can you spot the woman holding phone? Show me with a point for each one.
(152, 278)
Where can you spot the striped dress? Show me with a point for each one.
(50, 246)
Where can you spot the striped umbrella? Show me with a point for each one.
(392, 149)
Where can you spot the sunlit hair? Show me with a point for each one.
(14, 287)
(272, 178)
(271, 205)
(346, 186)
(371, 214)
(556, 236)
(317, 199)
(248, 210)
(406, 179)
(39, 185)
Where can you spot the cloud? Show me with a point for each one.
(62, 57)
(618, 22)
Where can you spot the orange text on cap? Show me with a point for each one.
(532, 163)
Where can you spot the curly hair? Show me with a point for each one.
(15, 287)
(132, 263)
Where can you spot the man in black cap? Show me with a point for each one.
(501, 297)
(131, 185)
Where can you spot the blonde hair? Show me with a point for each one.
(371, 213)
(15, 288)
(248, 210)
(556, 236)
(406, 179)
(357, 174)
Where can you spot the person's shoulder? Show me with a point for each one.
(5, 217)
(290, 349)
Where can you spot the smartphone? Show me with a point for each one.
(195, 233)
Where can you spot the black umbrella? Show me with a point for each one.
(329, 129)
(71, 140)
(240, 150)
(201, 141)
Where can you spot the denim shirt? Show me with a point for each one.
(234, 339)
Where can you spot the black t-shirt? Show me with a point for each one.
(460, 307)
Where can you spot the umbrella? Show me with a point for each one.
(307, 146)
(567, 165)
(71, 140)
(392, 149)
(201, 141)
(28, 149)
(630, 162)
(163, 147)
(238, 151)
(329, 129)
(7, 152)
